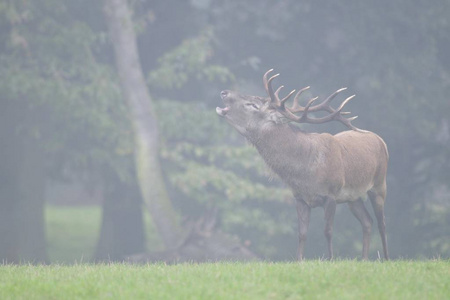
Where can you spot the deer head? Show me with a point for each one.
(245, 112)
(250, 113)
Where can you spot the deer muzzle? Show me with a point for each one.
(222, 111)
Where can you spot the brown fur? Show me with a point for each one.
(320, 169)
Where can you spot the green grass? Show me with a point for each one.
(309, 280)
(72, 232)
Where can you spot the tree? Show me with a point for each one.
(22, 184)
(63, 114)
(202, 242)
(122, 230)
(143, 117)
(62, 117)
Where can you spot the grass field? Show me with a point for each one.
(309, 280)
(72, 232)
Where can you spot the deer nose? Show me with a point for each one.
(223, 94)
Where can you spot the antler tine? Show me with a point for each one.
(310, 102)
(283, 101)
(345, 102)
(280, 103)
(268, 81)
(279, 89)
(274, 96)
(273, 77)
(321, 106)
(268, 84)
(295, 105)
(265, 76)
(333, 116)
(302, 109)
(331, 97)
(277, 98)
(290, 113)
(291, 116)
(347, 121)
(308, 105)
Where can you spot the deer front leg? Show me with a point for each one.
(303, 213)
(330, 210)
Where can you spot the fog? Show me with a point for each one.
(106, 156)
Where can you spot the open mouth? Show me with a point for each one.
(222, 111)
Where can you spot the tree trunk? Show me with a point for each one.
(118, 18)
(122, 231)
(22, 192)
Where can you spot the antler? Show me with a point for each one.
(290, 113)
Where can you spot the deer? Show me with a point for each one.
(321, 169)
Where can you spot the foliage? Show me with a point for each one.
(189, 59)
(205, 171)
(56, 72)
(49, 69)
(309, 280)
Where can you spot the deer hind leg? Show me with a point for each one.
(360, 212)
(330, 210)
(303, 213)
(377, 200)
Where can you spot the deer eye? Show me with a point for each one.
(252, 105)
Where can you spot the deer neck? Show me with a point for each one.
(284, 148)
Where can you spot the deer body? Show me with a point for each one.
(320, 169)
(321, 165)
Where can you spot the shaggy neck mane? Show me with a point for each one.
(281, 147)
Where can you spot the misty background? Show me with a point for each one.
(70, 184)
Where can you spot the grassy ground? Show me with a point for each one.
(72, 232)
(309, 280)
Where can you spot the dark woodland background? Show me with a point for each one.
(67, 139)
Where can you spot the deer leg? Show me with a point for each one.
(378, 207)
(330, 210)
(303, 213)
(360, 212)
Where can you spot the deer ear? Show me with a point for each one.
(265, 106)
(278, 118)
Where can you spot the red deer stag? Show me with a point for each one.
(321, 169)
